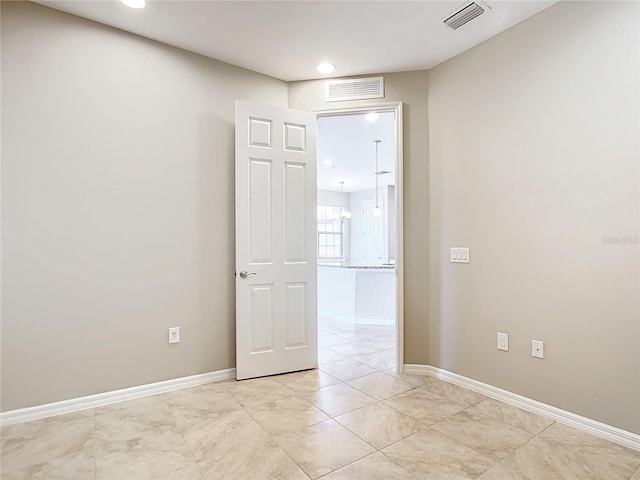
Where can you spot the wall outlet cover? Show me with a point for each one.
(503, 341)
(174, 335)
(537, 348)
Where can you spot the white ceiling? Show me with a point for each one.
(347, 142)
(287, 39)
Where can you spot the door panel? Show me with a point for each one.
(276, 318)
(261, 318)
(259, 132)
(260, 210)
(295, 333)
(294, 210)
(294, 137)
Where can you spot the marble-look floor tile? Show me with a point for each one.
(149, 457)
(232, 428)
(328, 356)
(598, 454)
(374, 467)
(123, 421)
(380, 385)
(51, 442)
(255, 459)
(207, 389)
(338, 399)
(563, 452)
(431, 455)
(380, 425)
(189, 473)
(212, 390)
(375, 330)
(387, 342)
(416, 381)
(27, 429)
(308, 380)
(79, 465)
(514, 416)
(246, 393)
(193, 408)
(353, 349)
(453, 393)
(506, 470)
(434, 401)
(425, 405)
(488, 436)
(382, 360)
(323, 447)
(347, 369)
(252, 385)
(286, 415)
(331, 340)
(355, 336)
(235, 447)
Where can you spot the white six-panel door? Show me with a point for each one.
(276, 319)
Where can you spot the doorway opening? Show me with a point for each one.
(359, 240)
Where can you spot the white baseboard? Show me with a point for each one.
(90, 401)
(617, 435)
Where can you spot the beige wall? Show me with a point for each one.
(117, 207)
(411, 89)
(534, 143)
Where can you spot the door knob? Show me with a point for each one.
(244, 274)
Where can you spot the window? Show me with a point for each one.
(330, 233)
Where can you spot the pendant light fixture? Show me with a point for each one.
(377, 211)
(344, 214)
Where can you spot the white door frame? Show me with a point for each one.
(395, 107)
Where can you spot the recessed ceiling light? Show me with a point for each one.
(328, 162)
(371, 117)
(134, 3)
(326, 67)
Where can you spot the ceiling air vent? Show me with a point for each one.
(355, 89)
(465, 14)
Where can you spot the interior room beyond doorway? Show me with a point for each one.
(357, 241)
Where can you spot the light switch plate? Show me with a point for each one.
(459, 254)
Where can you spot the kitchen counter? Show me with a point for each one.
(357, 294)
(358, 267)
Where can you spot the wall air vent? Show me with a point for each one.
(465, 14)
(355, 89)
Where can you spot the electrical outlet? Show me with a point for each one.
(503, 341)
(174, 335)
(537, 348)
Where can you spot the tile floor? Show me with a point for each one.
(353, 418)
